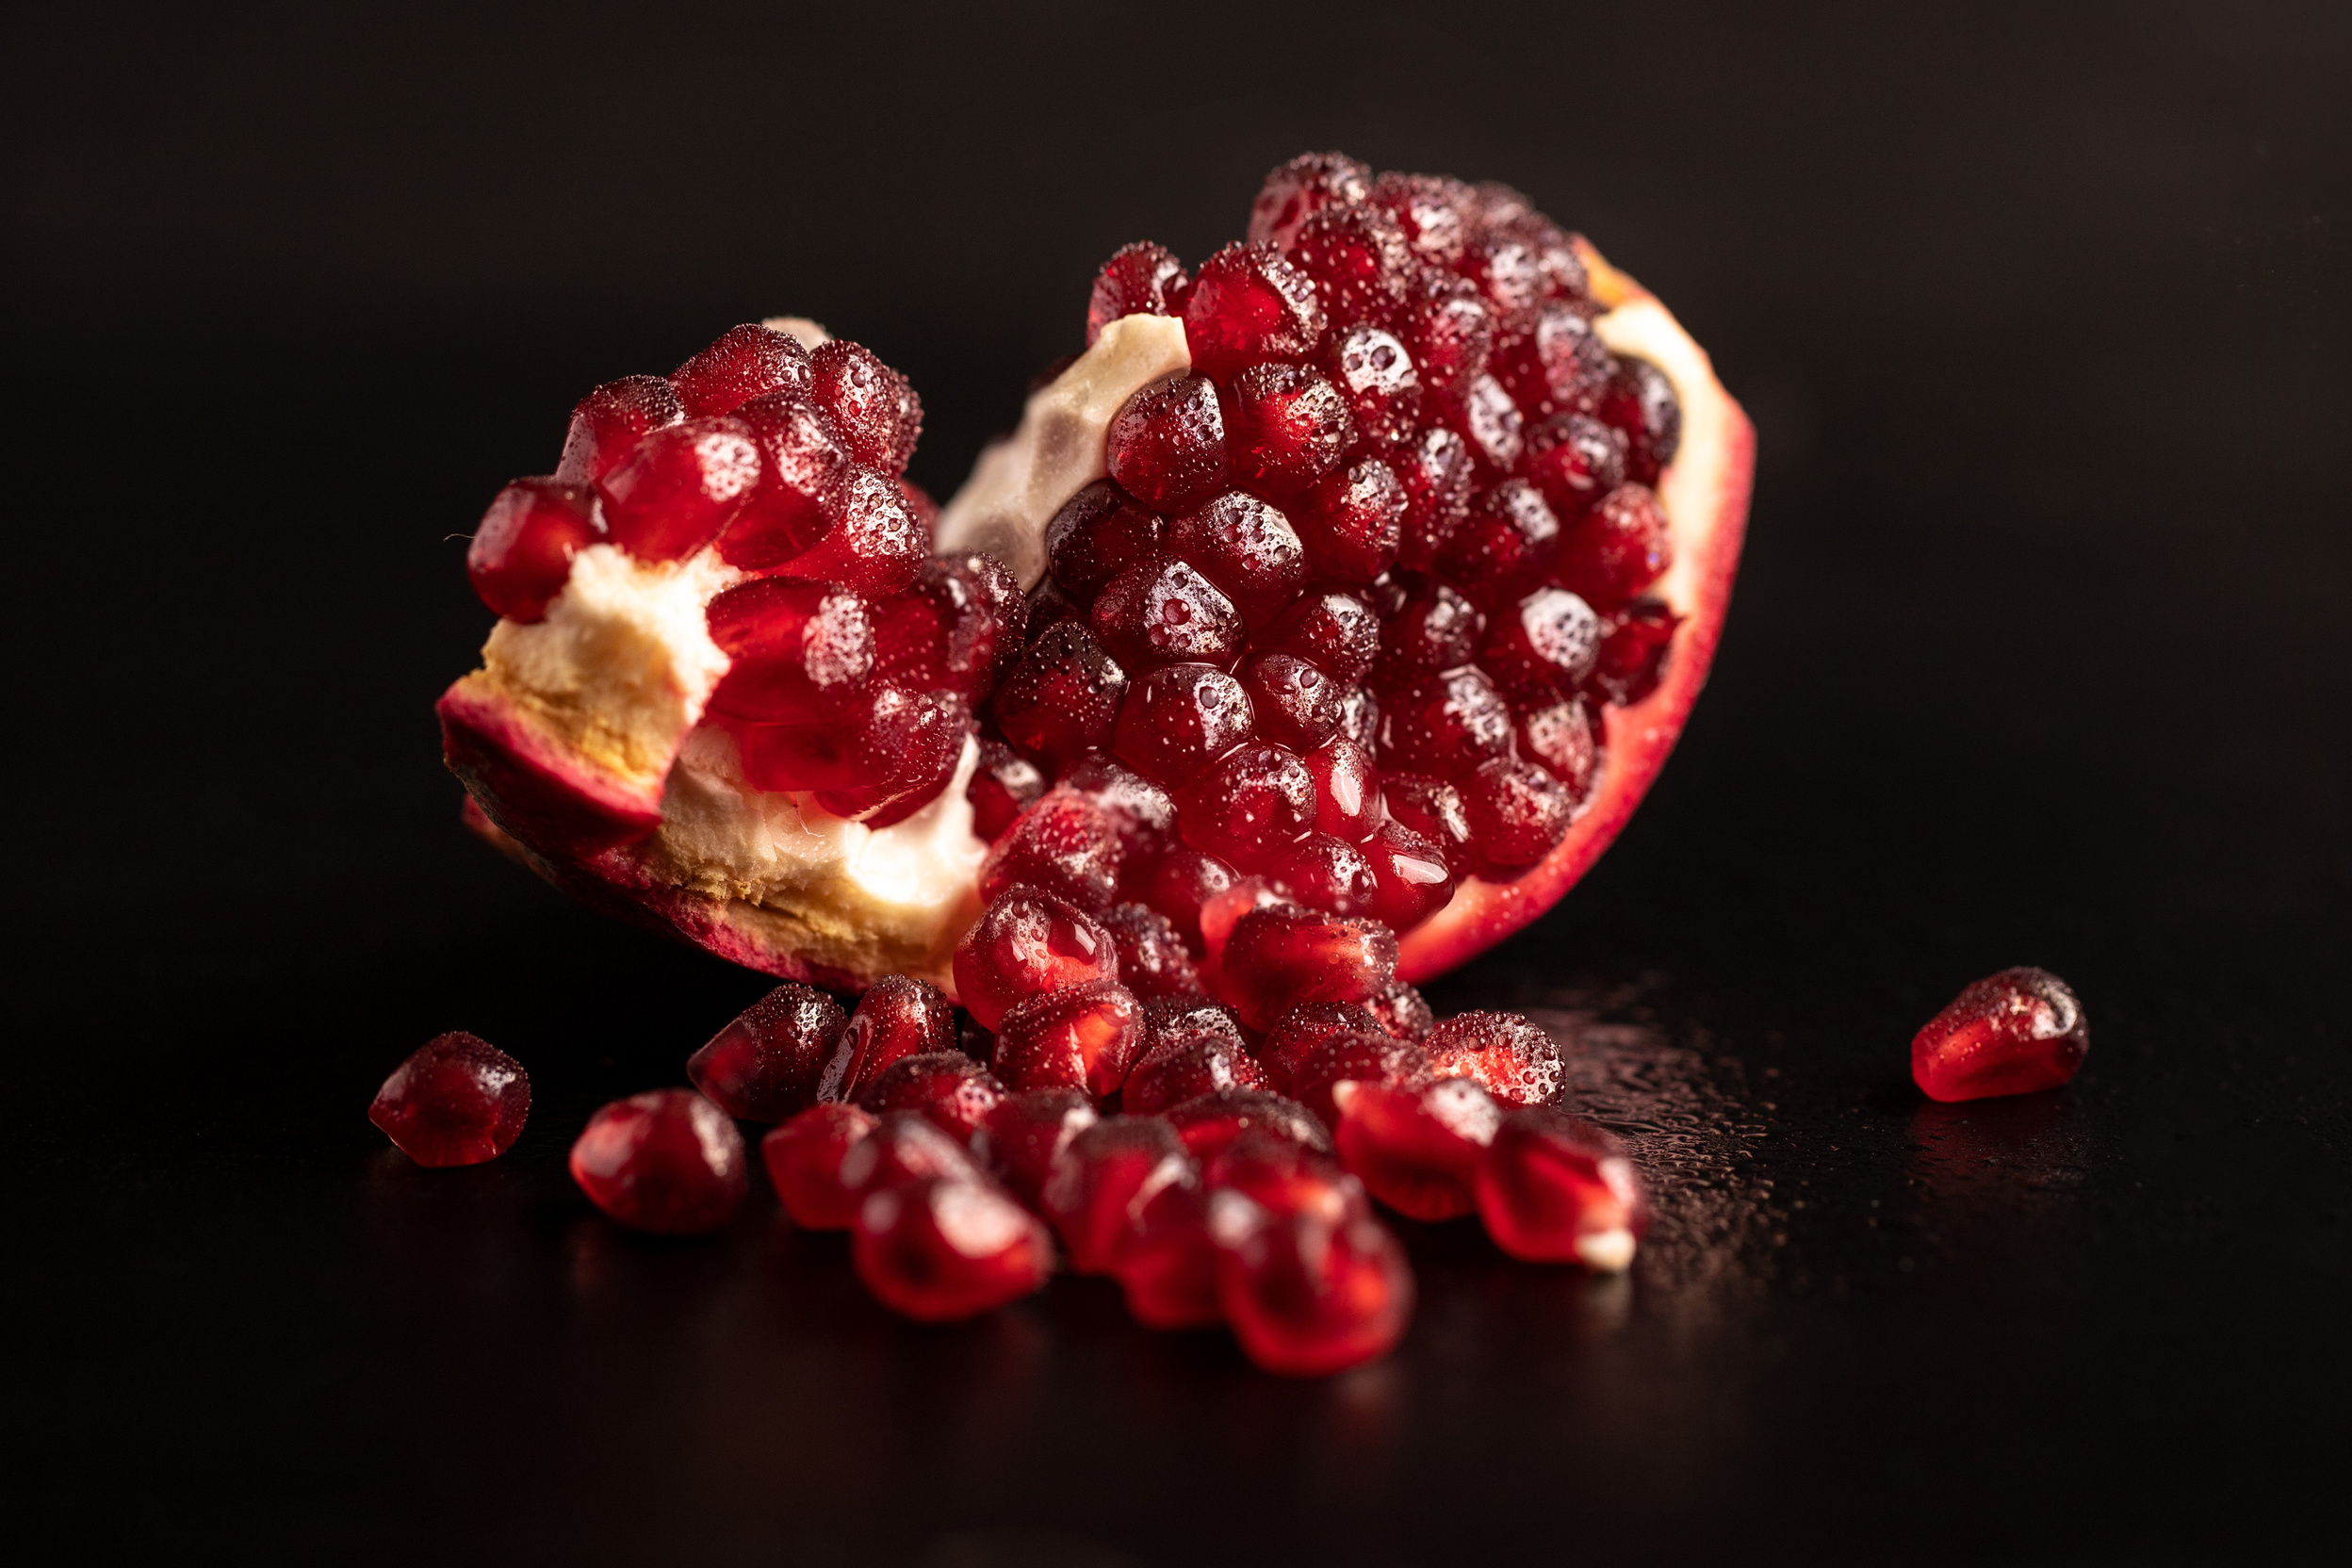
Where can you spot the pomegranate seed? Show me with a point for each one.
(1417, 1149)
(1286, 427)
(1063, 697)
(1556, 262)
(1249, 305)
(1542, 646)
(1574, 460)
(1027, 1132)
(1246, 547)
(679, 488)
(1303, 187)
(1287, 1175)
(764, 1065)
(1511, 1059)
(1166, 444)
(1437, 472)
(1179, 719)
(873, 406)
(906, 749)
(1376, 376)
(1281, 956)
(521, 555)
(948, 1087)
(1363, 266)
(923, 504)
(1446, 724)
(1449, 331)
(1139, 811)
(1024, 944)
(1306, 1297)
(802, 460)
(1402, 1012)
(1151, 958)
(1142, 279)
(1168, 1266)
(1410, 878)
(1550, 362)
(1299, 1030)
(666, 1161)
(1295, 704)
(1256, 800)
(898, 1018)
(1001, 787)
(1359, 718)
(1432, 808)
(1084, 1037)
(797, 652)
(1346, 790)
(1555, 1189)
(1437, 631)
(1489, 423)
(938, 1250)
(1160, 611)
(1435, 213)
(1504, 268)
(1210, 1123)
(1367, 1056)
(1618, 548)
(1098, 533)
(1559, 736)
(1326, 872)
(1062, 845)
(1499, 205)
(1633, 654)
(1180, 1063)
(1179, 883)
(959, 629)
(803, 1157)
(1103, 1180)
(2010, 1033)
(458, 1099)
(746, 362)
(1336, 631)
(906, 1146)
(1504, 547)
(873, 541)
(1640, 402)
(609, 422)
(1518, 814)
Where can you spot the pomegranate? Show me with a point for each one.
(2010, 1033)
(458, 1099)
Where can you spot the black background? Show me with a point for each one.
(2037, 657)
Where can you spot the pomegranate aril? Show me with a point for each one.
(1258, 799)
(1083, 1036)
(1376, 375)
(873, 406)
(1640, 402)
(802, 460)
(1180, 1064)
(1151, 958)
(1417, 1149)
(1432, 808)
(1247, 549)
(1358, 256)
(1366, 1057)
(1305, 1297)
(1551, 362)
(1504, 268)
(1062, 845)
(1360, 718)
(679, 488)
(1293, 703)
(957, 628)
(797, 652)
(1448, 329)
(907, 1145)
(457, 1100)
(1504, 545)
(1281, 956)
(1446, 724)
(1168, 1266)
(1346, 790)
(1049, 606)
(1286, 427)
(1633, 654)
(953, 1091)
(1559, 735)
(766, 1063)
(608, 423)
(1411, 880)
(1103, 1180)
(1142, 279)
(1002, 786)
(804, 1156)
(938, 1250)
(747, 362)
(1518, 814)
(898, 1017)
(1099, 533)
(1062, 699)
(1437, 629)
(1210, 1123)
(1285, 1174)
(2011, 1032)
(1326, 872)
(1026, 943)
(923, 504)
(1297, 1031)
(1618, 548)
(1178, 884)
(1402, 1012)
(1250, 304)
(1557, 261)
(1511, 1057)
(1555, 1190)
(1027, 1132)
(666, 1161)
(907, 750)
(1437, 472)
(1490, 424)
(1166, 445)
(1161, 611)
(1435, 213)
(521, 553)
(1336, 631)
(1542, 646)
(1139, 811)
(1179, 719)
(873, 541)
(1573, 461)
(1305, 185)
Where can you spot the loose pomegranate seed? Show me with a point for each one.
(1166, 444)
(1326, 872)
(1210, 1123)
(1346, 790)
(1303, 187)
(1510, 1057)
(1062, 845)
(873, 406)
(1281, 956)
(1410, 878)
(1640, 402)
(679, 488)
(746, 362)
(1178, 884)
(1633, 654)
(1062, 699)
(1542, 646)
(1027, 1132)
(1550, 362)
(1618, 548)
(1436, 214)
(1249, 305)
(1377, 376)
(1367, 1056)
(1168, 1266)
(1437, 629)
(1161, 611)
(797, 652)
(1437, 472)
(898, 1018)
(948, 1087)
(1402, 1012)
(1024, 944)
(1299, 1030)
(1417, 1149)
(873, 541)
(1559, 736)
(1258, 799)
(2010, 1033)
(938, 1250)
(1504, 547)
(1336, 631)
(1098, 533)
(1359, 261)
(666, 1161)
(1307, 1297)
(802, 459)
(1446, 724)
(906, 749)
(1287, 1175)
(1449, 331)
(1142, 279)
(1246, 547)
(765, 1065)
(609, 422)
(957, 628)
(906, 1146)
(1084, 1037)
(1574, 460)
(1179, 719)
(1001, 787)
(803, 1157)
(1505, 270)
(1489, 423)
(1103, 1180)
(521, 555)
(1555, 1189)
(1518, 814)
(1432, 808)
(1151, 958)
(1295, 704)
(458, 1099)
(1181, 1064)
(1286, 427)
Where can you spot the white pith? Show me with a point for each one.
(1610, 1252)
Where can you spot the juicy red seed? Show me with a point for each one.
(1574, 460)
(1640, 402)
(1559, 735)
(666, 1161)
(458, 1099)
(1178, 883)
(1351, 521)
(1249, 305)
(1435, 213)
(1327, 873)
(1518, 814)
(1300, 1029)
(873, 541)
(1359, 718)
(1049, 606)
(1446, 724)
(1413, 880)
(922, 503)
(1286, 1174)
(609, 422)
(764, 1065)
(682, 484)
(1555, 1190)
(1370, 1056)
(1437, 629)
(1024, 944)
(1162, 610)
(1504, 547)
(1490, 425)
(1141, 813)
(1432, 808)
(1618, 548)
(1002, 788)
(1417, 1149)
(1166, 445)
(1633, 654)
(1142, 279)
(1099, 533)
(907, 1145)
(1499, 205)
(1336, 631)
(1286, 427)
(1210, 1123)
(1346, 788)
(1247, 549)
(959, 629)
(900, 1016)
(907, 751)
(953, 1091)
(888, 743)
(803, 1157)
(873, 406)
(1027, 1132)
(1436, 471)
(521, 555)
(1402, 1012)
(797, 652)
(1281, 956)
(1254, 801)
(1449, 331)
(802, 459)
(1179, 719)
(1382, 385)
(1551, 362)
(938, 1250)
(1555, 260)
(1505, 270)
(1542, 646)
(1307, 1298)
(1063, 697)
(1294, 703)
(1359, 261)
(746, 362)
(1301, 187)
(1167, 1268)
(1102, 1182)
(1509, 1057)
(2010, 1033)
(1219, 915)
(1178, 1066)
(1062, 845)
(1084, 1037)
(1171, 1018)
(1152, 958)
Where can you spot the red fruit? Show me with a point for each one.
(1574, 460)
(938, 1250)
(875, 410)
(797, 652)
(1544, 646)
(1295, 704)
(1287, 1175)
(679, 488)
(1376, 376)
(1139, 811)
(1210, 1123)
(1161, 611)
(803, 459)
(1326, 872)
(1640, 403)
(1365, 1057)
(957, 628)
(1346, 790)
(1286, 427)
(1002, 786)
(521, 554)
(907, 1145)
(1178, 884)
(1436, 630)
(1518, 814)
(1180, 1064)
(2010, 1033)
(1151, 958)
(1168, 1266)
(1555, 1189)
(1299, 189)
(1257, 800)
(1504, 547)
(1437, 472)
(1417, 1149)
(1098, 533)
(1432, 808)
(1246, 547)
(1062, 699)
(609, 422)
(1632, 660)
(1436, 214)
(666, 1161)
(458, 1099)
(1402, 1012)
(1082, 1036)
(1362, 266)
(1410, 878)
(1490, 424)
(1049, 606)
(1062, 845)
(1449, 330)
(1024, 944)
(1504, 268)
(1300, 1030)
(1351, 521)
(1513, 1059)
(898, 1018)
(1445, 724)
(1102, 1183)
(1249, 305)
(1281, 956)
(1027, 1132)
(1179, 719)
(746, 362)
(1559, 736)
(873, 541)
(907, 750)
(804, 1156)
(1551, 362)
(1618, 548)
(953, 1091)
(1307, 1297)
(1142, 279)
(1166, 446)
(765, 1065)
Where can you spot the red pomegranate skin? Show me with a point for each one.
(2011, 1032)
(666, 1161)
(459, 1100)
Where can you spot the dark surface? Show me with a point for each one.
(2037, 657)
